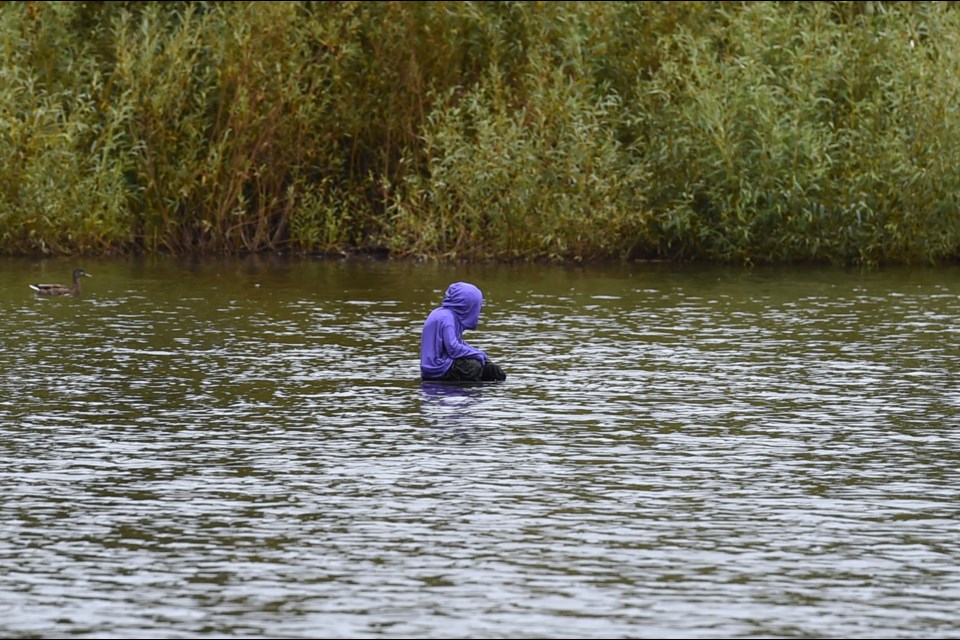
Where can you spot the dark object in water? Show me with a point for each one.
(472, 370)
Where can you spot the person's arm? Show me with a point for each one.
(457, 348)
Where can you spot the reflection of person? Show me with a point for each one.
(443, 353)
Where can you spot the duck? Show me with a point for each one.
(62, 289)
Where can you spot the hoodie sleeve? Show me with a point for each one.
(456, 347)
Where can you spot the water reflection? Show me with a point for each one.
(439, 390)
(454, 405)
(236, 449)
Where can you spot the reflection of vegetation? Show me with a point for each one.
(509, 130)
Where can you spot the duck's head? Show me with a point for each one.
(78, 273)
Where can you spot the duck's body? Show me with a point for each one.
(62, 289)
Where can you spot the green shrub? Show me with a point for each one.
(727, 131)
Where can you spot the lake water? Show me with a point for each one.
(241, 448)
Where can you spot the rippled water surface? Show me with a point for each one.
(242, 449)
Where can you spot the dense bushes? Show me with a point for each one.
(508, 130)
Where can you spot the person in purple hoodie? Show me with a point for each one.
(444, 356)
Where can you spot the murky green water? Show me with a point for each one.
(241, 449)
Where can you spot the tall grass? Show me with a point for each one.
(729, 131)
(62, 183)
(508, 181)
(808, 137)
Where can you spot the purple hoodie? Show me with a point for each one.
(442, 339)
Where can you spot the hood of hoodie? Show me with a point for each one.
(465, 300)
